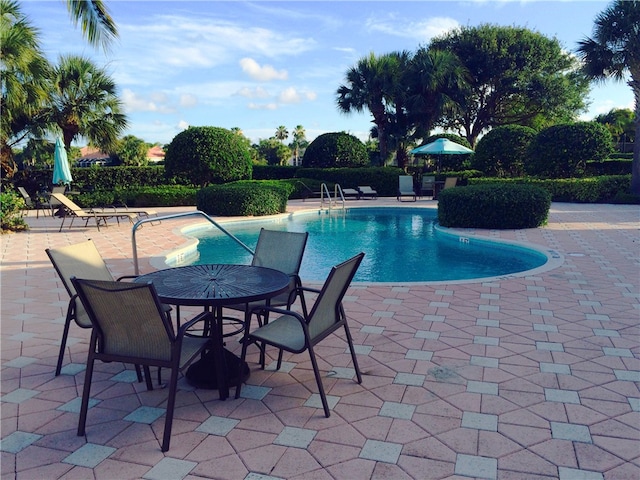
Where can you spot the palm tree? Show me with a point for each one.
(298, 140)
(97, 25)
(614, 52)
(84, 103)
(282, 133)
(24, 69)
(366, 89)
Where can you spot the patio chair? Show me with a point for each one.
(450, 182)
(367, 192)
(405, 187)
(428, 185)
(30, 203)
(84, 261)
(54, 204)
(75, 211)
(282, 251)
(296, 333)
(129, 326)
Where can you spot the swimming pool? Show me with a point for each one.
(401, 245)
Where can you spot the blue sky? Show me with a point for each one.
(257, 65)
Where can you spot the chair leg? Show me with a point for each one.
(353, 353)
(171, 402)
(243, 356)
(147, 377)
(138, 373)
(84, 406)
(316, 372)
(63, 343)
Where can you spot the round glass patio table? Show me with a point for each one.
(215, 286)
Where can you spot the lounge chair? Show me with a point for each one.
(428, 185)
(30, 203)
(350, 192)
(450, 182)
(129, 326)
(295, 332)
(367, 192)
(74, 211)
(405, 187)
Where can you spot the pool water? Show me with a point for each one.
(401, 245)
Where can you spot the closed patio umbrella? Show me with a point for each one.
(61, 171)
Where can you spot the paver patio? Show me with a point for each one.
(520, 377)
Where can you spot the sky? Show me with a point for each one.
(260, 64)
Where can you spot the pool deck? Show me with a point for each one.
(524, 377)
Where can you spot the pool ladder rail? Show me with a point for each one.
(141, 222)
(338, 195)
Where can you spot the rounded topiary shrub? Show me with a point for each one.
(562, 151)
(244, 198)
(335, 150)
(502, 152)
(205, 155)
(494, 206)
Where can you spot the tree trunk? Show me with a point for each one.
(634, 83)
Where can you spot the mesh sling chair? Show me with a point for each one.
(130, 325)
(296, 333)
(282, 251)
(80, 260)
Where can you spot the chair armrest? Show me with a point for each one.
(125, 277)
(198, 318)
(281, 311)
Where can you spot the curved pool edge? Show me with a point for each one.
(188, 251)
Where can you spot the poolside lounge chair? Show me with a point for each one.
(30, 203)
(350, 192)
(367, 192)
(295, 332)
(405, 187)
(74, 211)
(428, 185)
(129, 326)
(450, 182)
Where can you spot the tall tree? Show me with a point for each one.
(282, 133)
(515, 76)
(24, 70)
(613, 52)
(299, 139)
(84, 102)
(97, 25)
(366, 88)
(620, 122)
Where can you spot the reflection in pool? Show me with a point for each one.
(401, 245)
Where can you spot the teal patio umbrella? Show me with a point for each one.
(61, 171)
(441, 146)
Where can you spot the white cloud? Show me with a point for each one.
(262, 106)
(183, 125)
(289, 95)
(421, 30)
(257, 92)
(263, 73)
(137, 103)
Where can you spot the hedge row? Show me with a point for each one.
(244, 198)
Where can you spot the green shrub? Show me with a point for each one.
(158, 196)
(502, 151)
(335, 150)
(256, 198)
(562, 151)
(383, 179)
(11, 206)
(205, 155)
(494, 206)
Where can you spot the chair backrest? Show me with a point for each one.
(66, 201)
(25, 196)
(405, 183)
(81, 260)
(127, 318)
(54, 202)
(450, 182)
(428, 182)
(327, 309)
(282, 251)
(365, 189)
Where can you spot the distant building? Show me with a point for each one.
(155, 154)
(92, 156)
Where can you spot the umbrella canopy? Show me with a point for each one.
(61, 171)
(442, 146)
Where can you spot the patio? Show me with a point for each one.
(531, 377)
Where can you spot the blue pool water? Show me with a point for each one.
(401, 245)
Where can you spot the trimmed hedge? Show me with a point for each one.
(494, 206)
(244, 198)
(335, 149)
(160, 196)
(604, 189)
(382, 179)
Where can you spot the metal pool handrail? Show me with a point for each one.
(139, 223)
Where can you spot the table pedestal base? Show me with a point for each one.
(202, 374)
